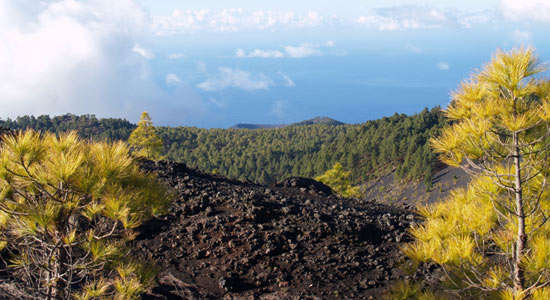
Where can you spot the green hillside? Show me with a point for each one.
(266, 155)
(88, 126)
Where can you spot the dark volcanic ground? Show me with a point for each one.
(224, 239)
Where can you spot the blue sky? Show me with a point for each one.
(214, 63)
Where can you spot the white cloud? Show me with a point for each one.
(266, 54)
(420, 17)
(381, 23)
(235, 78)
(233, 19)
(385, 18)
(288, 81)
(172, 79)
(147, 53)
(522, 37)
(443, 66)
(240, 53)
(176, 56)
(529, 10)
(303, 50)
(259, 53)
(62, 56)
(330, 44)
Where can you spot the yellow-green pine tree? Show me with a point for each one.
(338, 180)
(492, 238)
(67, 209)
(144, 139)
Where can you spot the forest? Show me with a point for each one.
(368, 150)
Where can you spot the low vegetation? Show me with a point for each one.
(67, 209)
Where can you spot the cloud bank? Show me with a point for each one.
(232, 20)
(81, 57)
(421, 17)
(526, 10)
(397, 17)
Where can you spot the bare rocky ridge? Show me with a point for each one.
(224, 239)
(386, 189)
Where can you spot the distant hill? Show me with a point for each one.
(256, 126)
(318, 121)
(314, 121)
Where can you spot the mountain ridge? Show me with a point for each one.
(313, 121)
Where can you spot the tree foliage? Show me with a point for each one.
(67, 208)
(368, 150)
(338, 180)
(492, 239)
(87, 126)
(144, 139)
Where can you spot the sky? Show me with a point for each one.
(215, 63)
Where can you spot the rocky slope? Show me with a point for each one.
(224, 239)
(386, 189)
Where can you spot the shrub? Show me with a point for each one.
(67, 208)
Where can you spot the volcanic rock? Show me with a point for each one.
(227, 239)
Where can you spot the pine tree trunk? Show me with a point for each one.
(60, 285)
(61, 260)
(521, 238)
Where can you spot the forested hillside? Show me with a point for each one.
(88, 126)
(266, 155)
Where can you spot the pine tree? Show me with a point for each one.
(493, 238)
(338, 180)
(428, 180)
(144, 139)
(67, 209)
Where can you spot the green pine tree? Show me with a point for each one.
(67, 210)
(144, 139)
(492, 238)
(338, 180)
